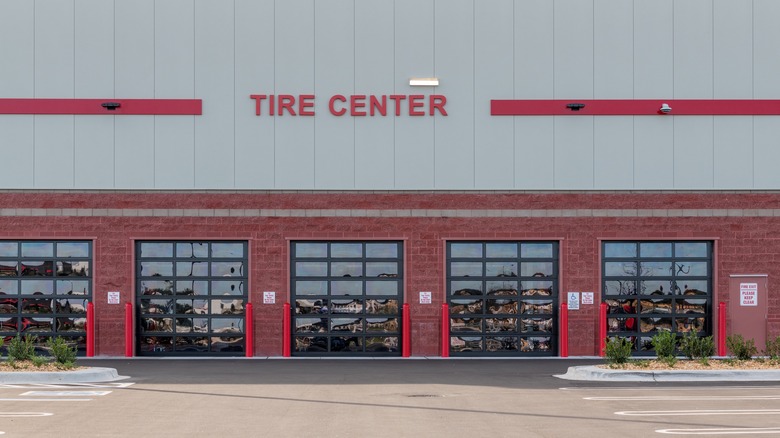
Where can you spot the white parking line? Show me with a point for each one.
(686, 397)
(45, 399)
(66, 385)
(65, 393)
(674, 388)
(721, 431)
(702, 412)
(24, 414)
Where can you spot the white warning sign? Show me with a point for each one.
(748, 294)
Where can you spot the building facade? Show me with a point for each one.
(189, 157)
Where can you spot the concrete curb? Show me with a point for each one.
(89, 375)
(594, 373)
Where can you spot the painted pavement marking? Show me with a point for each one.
(721, 431)
(701, 412)
(686, 397)
(65, 393)
(45, 399)
(66, 385)
(24, 414)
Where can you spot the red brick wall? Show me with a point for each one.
(746, 244)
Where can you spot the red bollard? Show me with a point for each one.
(564, 330)
(722, 329)
(90, 330)
(602, 328)
(286, 331)
(445, 330)
(406, 334)
(250, 331)
(128, 330)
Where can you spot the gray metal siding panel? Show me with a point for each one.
(693, 152)
(766, 40)
(693, 48)
(573, 49)
(573, 152)
(654, 152)
(534, 51)
(534, 152)
(733, 160)
(733, 49)
(653, 49)
(766, 153)
(613, 49)
(613, 152)
(54, 155)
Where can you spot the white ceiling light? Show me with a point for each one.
(424, 82)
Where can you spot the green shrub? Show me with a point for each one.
(697, 348)
(63, 353)
(39, 361)
(618, 350)
(665, 344)
(740, 348)
(22, 349)
(773, 348)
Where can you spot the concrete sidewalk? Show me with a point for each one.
(595, 373)
(88, 375)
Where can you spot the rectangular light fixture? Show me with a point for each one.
(424, 82)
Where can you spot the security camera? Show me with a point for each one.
(665, 108)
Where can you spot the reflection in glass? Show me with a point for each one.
(463, 307)
(185, 307)
(657, 287)
(155, 344)
(226, 325)
(694, 288)
(227, 269)
(618, 307)
(536, 325)
(311, 344)
(37, 287)
(8, 305)
(691, 269)
(501, 269)
(32, 305)
(227, 307)
(508, 288)
(37, 269)
(194, 288)
(501, 250)
(493, 325)
(465, 343)
(37, 249)
(72, 287)
(227, 344)
(691, 306)
(346, 269)
(311, 287)
(157, 324)
(220, 287)
(156, 249)
(192, 269)
(156, 269)
(37, 325)
(381, 269)
(536, 250)
(466, 325)
(311, 325)
(502, 306)
(157, 306)
(156, 288)
(466, 288)
(621, 324)
(345, 343)
(685, 325)
(382, 325)
(655, 249)
(381, 344)
(656, 269)
(71, 324)
(690, 249)
(381, 250)
(617, 249)
(306, 307)
(655, 306)
(537, 289)
(466, 269)
(9, 249)
(381, 288)
(346, 288)
(620, 287)
(503, 343)
(466, 250)
(311, 269)
(536, 307)
(381, 307)
(198, 344)
(8, 324)
(8, 269)
(192, 250)
(73, 269)
(9, 287)
(346, 306)
(536, 269)
(311, 250)
(227, 250)
(72, 249)
(650, 324)
(620, 269)
(346, 250)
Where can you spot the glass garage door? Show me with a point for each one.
(347, 298)
(657, 286)
(44, 290)
(190, 298)
(503, 298)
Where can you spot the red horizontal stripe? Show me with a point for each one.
(94, 106)
(711, 107)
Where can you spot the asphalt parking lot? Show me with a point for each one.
(381, 398)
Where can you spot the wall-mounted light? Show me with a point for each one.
(665, 108)
(575, 106)
(424, 82)
(111, 106)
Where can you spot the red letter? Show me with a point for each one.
(414, 102)
(286, 101)
(303, 105)
(437, 102)
(357, 101)
(258, 98)
(376, 105)
(333, 110)
(397, 98)
(272, 104)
